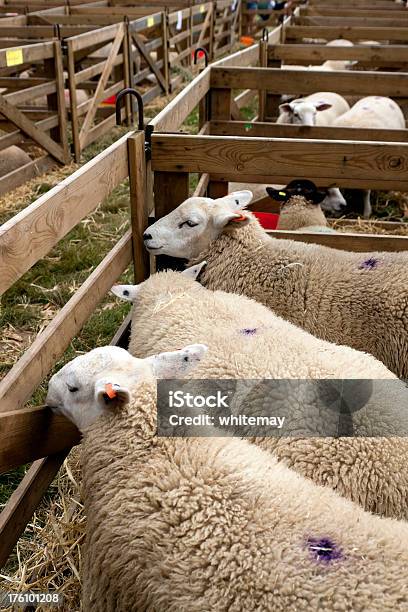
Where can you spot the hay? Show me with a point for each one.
(372, 226)
(48, 556)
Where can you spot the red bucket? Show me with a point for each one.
(269, 221)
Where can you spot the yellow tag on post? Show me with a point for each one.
(150, 22)
(14, 57)
(202, 8)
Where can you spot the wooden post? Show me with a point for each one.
(220, 110)
(212, 32)
(163, 53)
(272, 101)
(263, 63)
(138, 204)
(73, 102)
(170, 190)
(126, 68)
(53, 69)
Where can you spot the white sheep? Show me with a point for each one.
(372, 112)
(211, 523)
(321, 108)
(328, 65)
(358, 299)
(12, 158)
(247, 341)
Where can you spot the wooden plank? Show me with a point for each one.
(83, 41)
(150, 61)
(260, 160)
(352, 33)
(173, 115)
(138, 205)
(20, 382)
(280, 81)
(30, 234)
(32, 433)
(349, 21)
(388, 54)
(30, 53)
(28, 127)
(202, 185)
(21, 175)
(359, 243)
(276, 130)
(398, 12)
(102, 82)
(24, 501)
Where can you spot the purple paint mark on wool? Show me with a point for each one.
(324, 549)
(369, 264)
(249, 331)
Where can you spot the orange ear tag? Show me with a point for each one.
(110, 391)
(239, 219)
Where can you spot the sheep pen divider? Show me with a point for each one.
(46, 126)
(247, 151)
(31, 433)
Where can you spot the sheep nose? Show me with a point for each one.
(147, 236)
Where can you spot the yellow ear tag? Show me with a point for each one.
(282, 193)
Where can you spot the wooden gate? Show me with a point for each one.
(149, 56)
(33, 108)
(97, 65)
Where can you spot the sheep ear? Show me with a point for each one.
(321, 106)
(176, 364)
(239, 199)
(224, 217)
(126, 292)
(111, 395)
(194, 271)
(280, 195)
(318, 197)
(285, 108)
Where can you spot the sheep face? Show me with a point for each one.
(302, 112)
(103, 380)
(334, 201)
(187, 230)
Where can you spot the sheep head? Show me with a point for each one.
(105, 378)
(189, 229)
(302, 111)
(330, 199)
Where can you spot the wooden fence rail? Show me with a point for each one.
(32, 433)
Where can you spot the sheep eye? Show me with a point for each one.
(188, 223)
(72, 389)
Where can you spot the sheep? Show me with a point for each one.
(321, 108)
(247, 341)
(373, 112)
(300, 207)
(12, 158)
(328, 64)
(333, 201)
(357, 299)
(211, 523)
